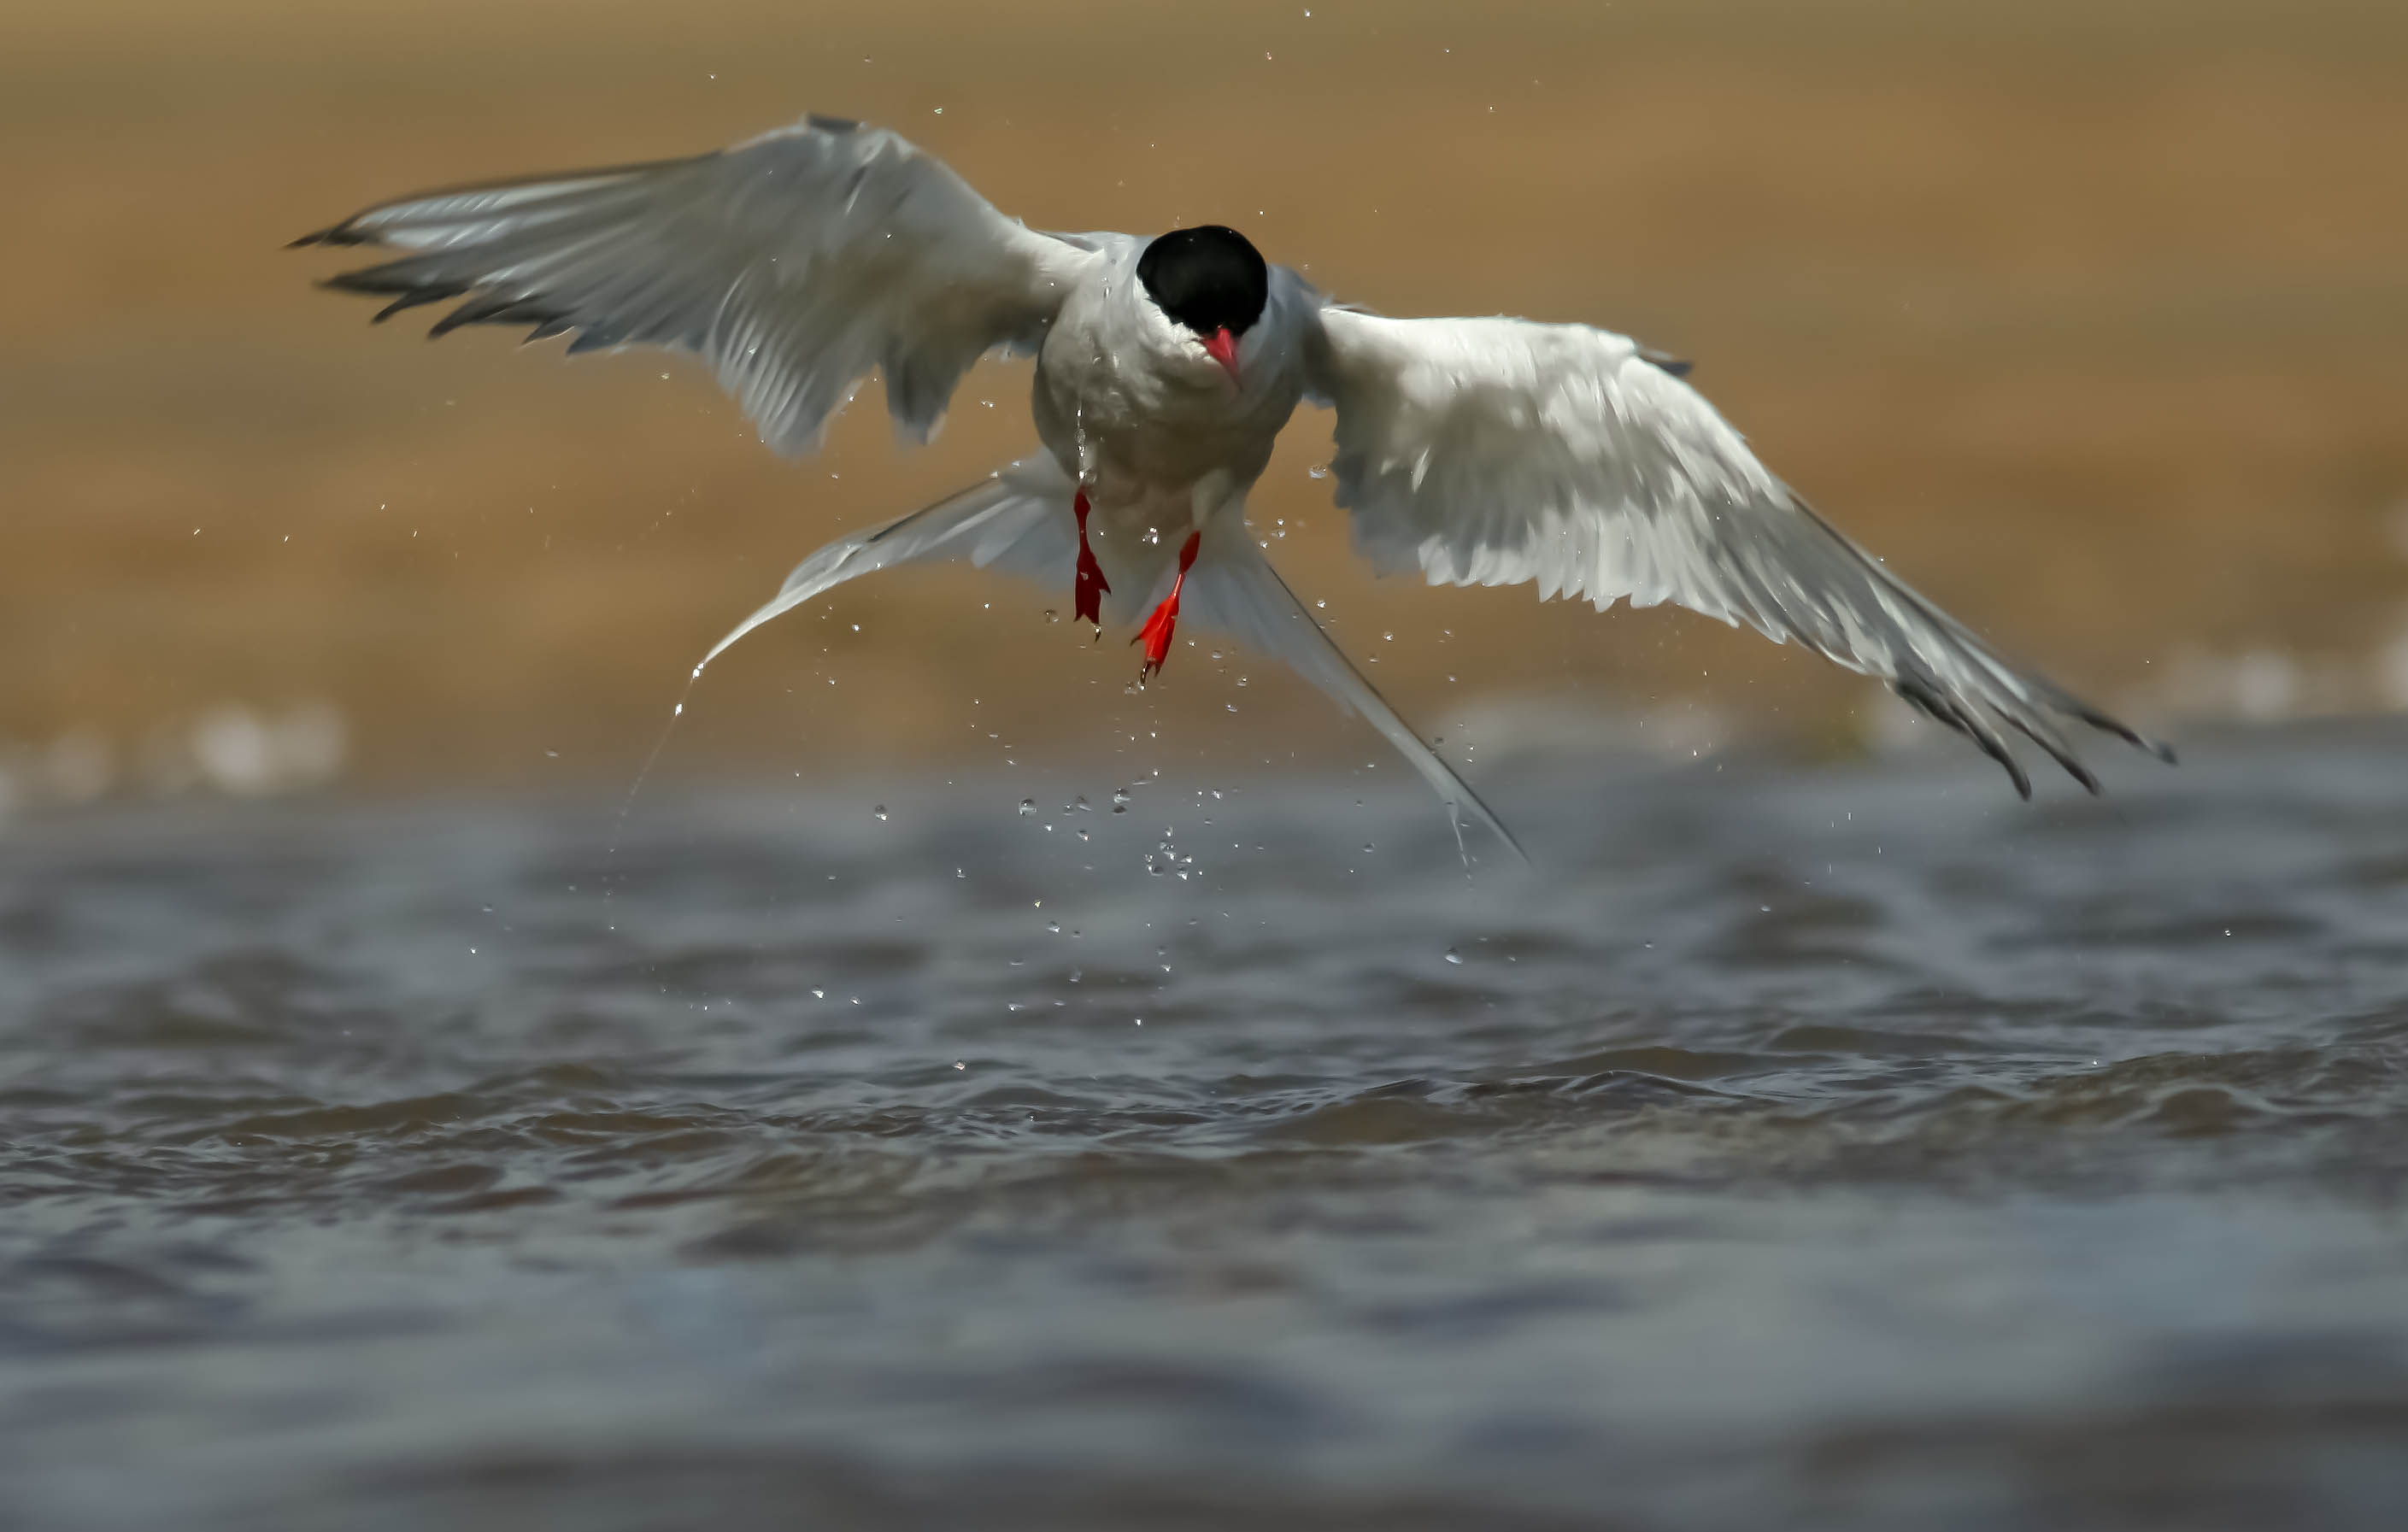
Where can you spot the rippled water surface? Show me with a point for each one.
(1851, 1149)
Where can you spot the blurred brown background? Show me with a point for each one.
(2091, 317)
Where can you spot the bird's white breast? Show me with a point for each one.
(1129, 404)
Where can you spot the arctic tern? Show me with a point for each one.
(1486, 451)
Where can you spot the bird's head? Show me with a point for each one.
(1211, 282)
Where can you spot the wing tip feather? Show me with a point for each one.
(1938, 706)
(346, 232)
(1935, 703)
(482, 307)
(2062, 753)
(2131, 736)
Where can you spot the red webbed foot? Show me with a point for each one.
(1159, 627)
(1087, 587)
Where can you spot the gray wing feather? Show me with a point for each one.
(793, 264)
(1496, 452)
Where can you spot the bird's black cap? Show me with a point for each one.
(1207, 277)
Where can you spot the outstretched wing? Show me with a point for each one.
(1233, 588)
(1492, 452)
(1017, 521)
(793, 263)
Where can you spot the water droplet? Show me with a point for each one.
(1119, 800)
(1082, 805)
(1028, 807)
(879, 813)
(1369, 848)
(1454, 956)
(819, 995)
(1053, 926)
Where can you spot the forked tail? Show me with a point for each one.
(1020, 522)
(1234, 589)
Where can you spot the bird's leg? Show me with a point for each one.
(1165, 621)
(1087, 588)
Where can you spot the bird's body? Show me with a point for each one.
(1475, 451)
(1162, 438)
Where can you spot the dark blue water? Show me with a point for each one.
(1853, 1149)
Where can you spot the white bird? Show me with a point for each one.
(1481, 452)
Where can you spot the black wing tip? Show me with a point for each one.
(346, 233)
(2069, 764)
(2128, 734)
(2062, 753)
(1930, 701)
(374, 282)
(1679, 367)
(407, 293)
(1934, 704)
(2157, 750)
(503, 308)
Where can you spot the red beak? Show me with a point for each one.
(1221, 347)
